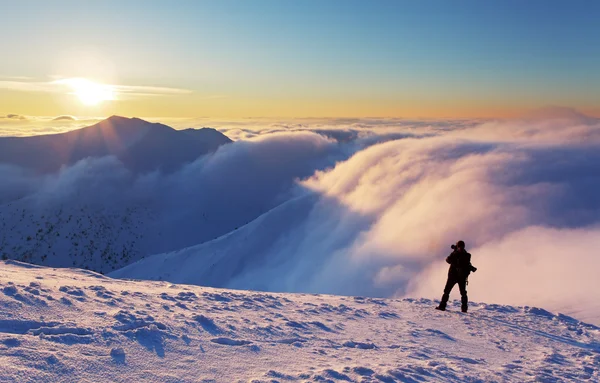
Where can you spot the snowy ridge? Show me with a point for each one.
(233, 259)
(75, 325)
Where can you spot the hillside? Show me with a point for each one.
(77, 234)
(72, 325)
(245, 258)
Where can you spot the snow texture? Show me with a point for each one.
(73, 325)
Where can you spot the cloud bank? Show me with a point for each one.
(370, 208)
(23, 126)
(100, 201)
(65, 118)
(522, 194)
(12, 116)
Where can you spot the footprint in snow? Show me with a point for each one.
(363, 371)
(360, 345)
(336, 375)
(208, 324)
(230, 342)
(73, 291)
(279, 375)
(118, 355)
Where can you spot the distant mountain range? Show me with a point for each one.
(559, 113)
(140, 145)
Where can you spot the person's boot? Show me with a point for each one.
(442, 305)
(464, 304)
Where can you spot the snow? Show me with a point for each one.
(74, 325)
(234, 259)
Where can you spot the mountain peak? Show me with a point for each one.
(139, 144)
(115, 117)
(120, 119)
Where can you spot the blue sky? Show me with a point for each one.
(383, 55)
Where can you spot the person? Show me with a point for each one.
(460, 268)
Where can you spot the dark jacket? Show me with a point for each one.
(460, 264)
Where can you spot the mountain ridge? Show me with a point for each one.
(140, 145)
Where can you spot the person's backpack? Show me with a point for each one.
(462, 263)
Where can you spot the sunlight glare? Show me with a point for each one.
(88, 92)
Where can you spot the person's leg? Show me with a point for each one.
(449, 285)
(464, 300)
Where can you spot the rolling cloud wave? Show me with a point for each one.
(373, 210)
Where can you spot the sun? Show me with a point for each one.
(89, 92)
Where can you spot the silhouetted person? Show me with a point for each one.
(460, 268)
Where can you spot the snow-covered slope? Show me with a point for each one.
(76, 234)
(244, 258)
(73, 325)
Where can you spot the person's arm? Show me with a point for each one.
(450, 258)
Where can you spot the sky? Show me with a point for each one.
(236, 59)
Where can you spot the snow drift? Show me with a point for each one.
(75, 325)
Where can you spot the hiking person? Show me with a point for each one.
(460, 268)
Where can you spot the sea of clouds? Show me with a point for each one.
(389, 197)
